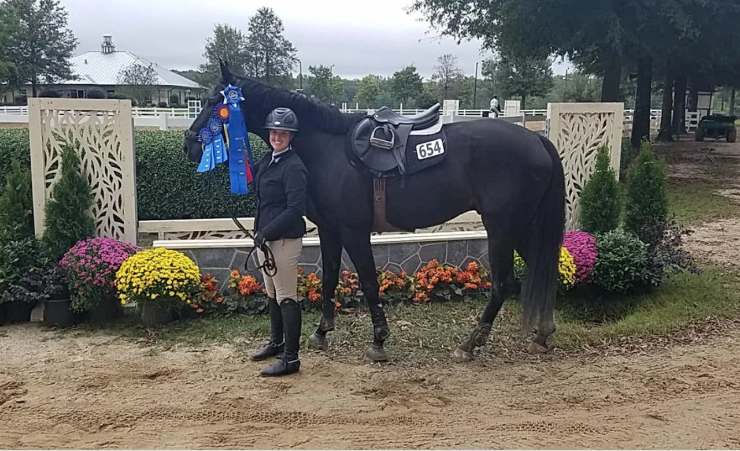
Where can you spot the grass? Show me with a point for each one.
(694, 202)
(422, 334)
(698, 202)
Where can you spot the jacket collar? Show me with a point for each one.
(284, 154)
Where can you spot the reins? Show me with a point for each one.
(268, 265)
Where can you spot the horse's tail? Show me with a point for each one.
(543, 253)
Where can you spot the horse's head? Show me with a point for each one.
(192, 146)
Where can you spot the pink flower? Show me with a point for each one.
(582, 247)
(93, 262)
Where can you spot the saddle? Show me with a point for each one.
(379, 140)
(379, 145)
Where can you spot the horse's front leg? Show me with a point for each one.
(331, 258)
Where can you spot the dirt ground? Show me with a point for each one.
(100, 391)
(718, 164)
(104, 393)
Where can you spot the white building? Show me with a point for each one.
(100, 69)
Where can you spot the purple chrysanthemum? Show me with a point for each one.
(582, 247)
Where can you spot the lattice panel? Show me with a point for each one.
(578, 130)
(102, 132)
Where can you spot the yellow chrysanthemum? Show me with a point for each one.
(566, 268)
(157, 274)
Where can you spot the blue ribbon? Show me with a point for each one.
(219, 146)
(236, 129)
(206, 137)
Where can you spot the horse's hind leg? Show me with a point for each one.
(331, 258)
(501, 258)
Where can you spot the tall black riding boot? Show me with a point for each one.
(277, 342)
(289, 363)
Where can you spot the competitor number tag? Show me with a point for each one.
(429, 149)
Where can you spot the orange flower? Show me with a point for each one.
(300, 270)
(235, 273)
(200, 310)
(248, 285)
(337, 304)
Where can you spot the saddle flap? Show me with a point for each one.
(376, 158)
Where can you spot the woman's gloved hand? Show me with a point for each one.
(259, 240)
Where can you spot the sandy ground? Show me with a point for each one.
(719, 164)
(79, 391)
(104, 393)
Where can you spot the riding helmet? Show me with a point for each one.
(282, 118)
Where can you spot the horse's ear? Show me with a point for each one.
(225, 72)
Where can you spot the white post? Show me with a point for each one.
(163, 121)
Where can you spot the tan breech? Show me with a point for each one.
(284, 284)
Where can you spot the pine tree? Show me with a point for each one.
(16, 205)
(600, 202)
(646, 209)
(68, 219)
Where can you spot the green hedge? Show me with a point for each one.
(167, 184)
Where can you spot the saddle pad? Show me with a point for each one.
(436, 128)
(425, 150)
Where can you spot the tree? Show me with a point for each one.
(428, 97)
(68, 218)
(406, 84)
(580, 87)
(600, 204)
(16, 204)
(7, 68)
(38, 42)
(523, 76)
(447, 74)
(229, 44)
(138, 81)
(272, 57)
(368, 91)
(324, 85)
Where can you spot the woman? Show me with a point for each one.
(280, 182)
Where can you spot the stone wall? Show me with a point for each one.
(409, 256)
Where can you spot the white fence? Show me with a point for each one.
(166, 118)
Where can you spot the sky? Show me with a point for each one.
(172, 33)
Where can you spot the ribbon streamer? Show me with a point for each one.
(206, 137)
(219, 147)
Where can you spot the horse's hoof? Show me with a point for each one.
(535, 348)
(318, 341)
(461, 356)
(376, 354)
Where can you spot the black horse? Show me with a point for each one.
(511, 176)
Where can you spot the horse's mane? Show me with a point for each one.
(311, 112)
